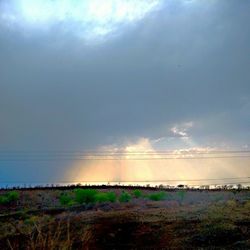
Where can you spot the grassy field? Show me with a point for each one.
(124, 218)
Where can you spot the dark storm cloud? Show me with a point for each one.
(184, 62)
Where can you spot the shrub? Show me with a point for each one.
(137, 193)
(101, 197)
(231, 203)
(3, 200)
(212, 233)
(247, 205)
(9, 197)
(181, 194)
(31, 220)
(105, 197)
(218, 198)
(65, 199)
(111, 196)
(157, 196)
(13, 196)
(125, 197)
(85, 195)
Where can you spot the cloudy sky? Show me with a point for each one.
(123, 75)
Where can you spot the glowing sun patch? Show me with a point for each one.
(86, 17)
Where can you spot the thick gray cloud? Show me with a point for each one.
(186, 61)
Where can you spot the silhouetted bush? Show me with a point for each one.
(9, 197)
(125, 197)
(157, 196)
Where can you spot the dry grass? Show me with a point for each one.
(134, 225)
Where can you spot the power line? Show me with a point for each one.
(111, 153)
(162, 180)
(21, 159)
(120, 182)
(107, 155)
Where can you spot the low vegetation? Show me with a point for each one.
(9, 197)
(65, 199)
(125, 197)
(105, 197)
(181, 194)
(157, 196)
(86, 196)
(124, 218)
(137, 193)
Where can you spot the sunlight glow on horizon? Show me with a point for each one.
(131, 170)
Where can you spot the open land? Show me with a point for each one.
(124, 218)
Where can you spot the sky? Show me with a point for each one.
(128, 76)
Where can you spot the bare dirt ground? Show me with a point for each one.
(197, 219)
